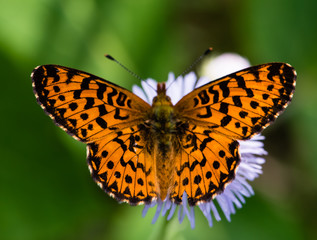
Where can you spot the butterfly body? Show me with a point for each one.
(160, 135)
(138, 152)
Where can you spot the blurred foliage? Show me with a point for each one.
(46, 189)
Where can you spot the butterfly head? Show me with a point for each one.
(161, 99)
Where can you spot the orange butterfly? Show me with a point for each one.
(138, 153)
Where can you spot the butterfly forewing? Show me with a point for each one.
(243, 103)
(86, 106)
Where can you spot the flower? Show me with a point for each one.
(251, 150)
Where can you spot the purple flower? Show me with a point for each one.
(250, 150)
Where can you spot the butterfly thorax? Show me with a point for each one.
(163, 137)
(162, 114)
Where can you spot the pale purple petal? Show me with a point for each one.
(139, 92)
(175, 90)
(167, 206)
(149, 87)
(202, 81)
(223, 65)
(172, 211)
(214, 211)
(205, 208)
(222, 201)
(189, 83)
(159, 205)
(184, 210)
(170, 79)
(191, 217)
(220, 66)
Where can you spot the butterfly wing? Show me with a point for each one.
(206, 163)
(106, 117)
(217, 114)
(241, 104)
(84, 105)
(121, 166)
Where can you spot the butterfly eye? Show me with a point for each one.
(167, 98)
(154, 99)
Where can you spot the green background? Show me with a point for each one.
(46, 191)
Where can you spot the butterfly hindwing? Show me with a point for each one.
(206, 163)
(243, 103)
(120, 165)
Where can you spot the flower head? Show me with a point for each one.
(251, 150)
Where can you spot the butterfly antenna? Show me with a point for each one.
(187, 70)
(128, 70)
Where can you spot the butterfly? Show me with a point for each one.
(138, 153)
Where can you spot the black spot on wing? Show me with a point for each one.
(208, 113)
(121, 99)
(118, 116)
(204, 98)
(224, 107)
(224, 87)
(111, 95)
(214, 93)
